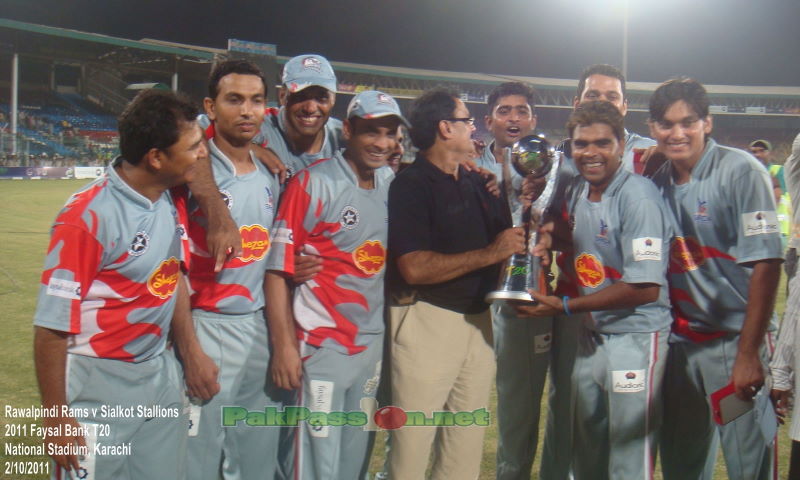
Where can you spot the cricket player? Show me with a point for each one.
(327, 335)
(620, 239)
(226, 360)
(597, 82)
(521, 345)
(724, 271)
(107, 298)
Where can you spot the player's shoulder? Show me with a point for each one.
(635, 140)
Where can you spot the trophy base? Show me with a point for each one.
(509, 295)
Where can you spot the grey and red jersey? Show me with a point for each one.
(324, 210)
(724, 217)
(624, 237)
(272, 135)
(252, 200)
(487, 161)
(112, 269)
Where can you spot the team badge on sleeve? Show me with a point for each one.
(284, 235)
(646, 248)
(760, 223)
(58, 287)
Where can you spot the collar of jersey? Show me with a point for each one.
(126, 190)
(227, 164)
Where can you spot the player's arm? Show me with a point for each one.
(424, 267)
(270, 160)
(199, 369)
(748, 371)
(286, 367)
(621, 295)
(50, 358)
(224, 240)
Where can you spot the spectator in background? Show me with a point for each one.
(762, 150)
(786, 361)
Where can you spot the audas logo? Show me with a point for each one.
(370, 257)
(686, 255)
(255, 242)
(164, 280)
(590, 270)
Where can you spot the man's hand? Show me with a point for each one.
(747, 375)
(781, 400)
(544, 243)
(306, 267)
(286, 367)
(270, 160)
(532, 187)
(545, 306)
(224, 240)
(652, 159)
(201, 374)
(57, 424)
(507, 243)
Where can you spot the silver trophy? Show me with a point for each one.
(532, 157)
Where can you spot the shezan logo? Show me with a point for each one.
(646, 248)
(139, 244)
(370, 257)
(164, 280)
(349, 218)
(589, 270)
(628, 381)
(255, 242)
(686, 255)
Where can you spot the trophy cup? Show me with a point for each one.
(532, 157)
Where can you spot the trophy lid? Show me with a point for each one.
(532, 155)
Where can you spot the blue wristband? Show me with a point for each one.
(564, 300)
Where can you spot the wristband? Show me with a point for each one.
(564, 300)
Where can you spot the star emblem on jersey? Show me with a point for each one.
(139, 244)
(349, 218)
(227, 198)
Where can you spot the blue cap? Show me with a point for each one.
(374, 104)
(305, 71)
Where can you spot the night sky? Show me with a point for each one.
(733, 42)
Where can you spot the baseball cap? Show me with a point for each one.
(305, 71)
(374, 104)
(761, 143)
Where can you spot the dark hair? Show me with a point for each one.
(426, 112)
(597, 111)
(226, 67)
(511, 88)
(687, 89)
(600, 69)
(153, 119)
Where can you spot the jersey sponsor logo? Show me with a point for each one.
(602, 237)
(349, 217)
(139, 244)
(589, 270)
(164, 280)
(628, 381)
(701, 216)
(760, 223)
(370, 257)
(227, 198)
(58, 287)
(646, 248)
(283, 235)
(541, 343)
(321, 393)
(686, 255)
(255, 242)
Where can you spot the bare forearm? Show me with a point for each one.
(182, 324)
(280, 319)
(204, 189)
(760, 305)
(621, 295)
(428, 267)
(50, 357)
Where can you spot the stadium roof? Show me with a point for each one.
(32, 29)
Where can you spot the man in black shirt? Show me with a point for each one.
(447, 236)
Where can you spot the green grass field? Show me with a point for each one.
(27, 209)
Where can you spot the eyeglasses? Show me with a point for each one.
(470, 121)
